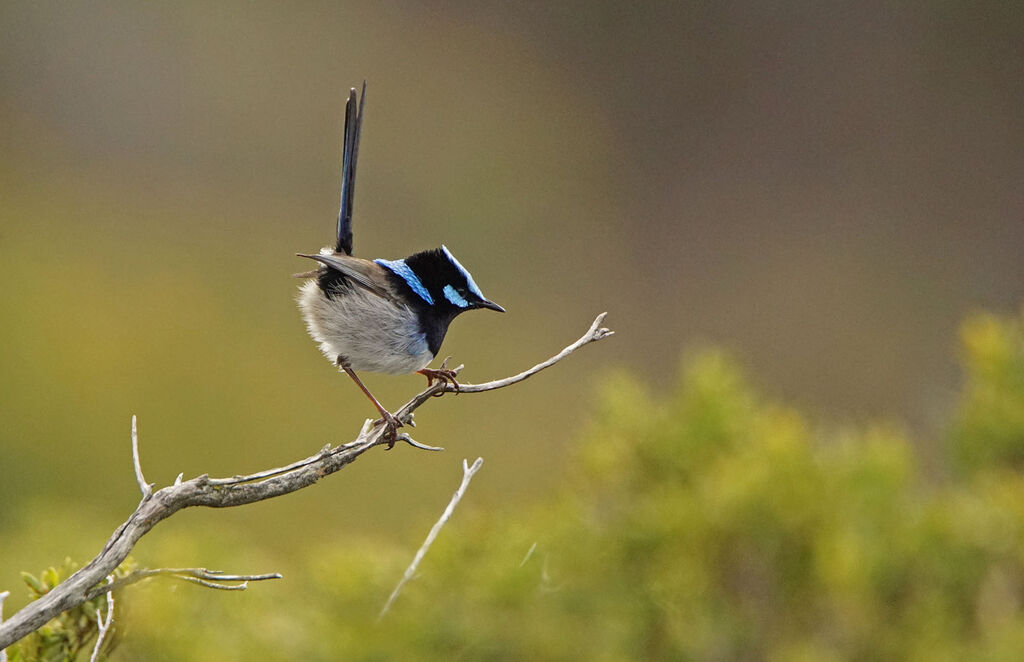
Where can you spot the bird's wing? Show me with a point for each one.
(353, 127)
(364, 273)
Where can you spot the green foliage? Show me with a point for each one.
(989, 432)
(709, 523)
(72, 635)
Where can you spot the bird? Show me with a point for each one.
(383, 316)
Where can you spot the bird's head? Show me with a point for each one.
(448, 286)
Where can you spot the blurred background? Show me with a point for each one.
(825, 189)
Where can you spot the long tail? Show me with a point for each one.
(353, 126)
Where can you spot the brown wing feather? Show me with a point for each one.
(365, 273)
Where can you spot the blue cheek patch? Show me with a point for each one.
(454, 297)
(465, 273)
(402, 270)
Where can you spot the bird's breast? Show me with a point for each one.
(371, 333)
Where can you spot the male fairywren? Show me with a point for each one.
(385, 316)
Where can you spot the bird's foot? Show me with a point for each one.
(391, 425)
(441, 374)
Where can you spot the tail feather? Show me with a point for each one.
(353, 127)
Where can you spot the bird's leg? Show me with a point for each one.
(386, 417)
(441, 374)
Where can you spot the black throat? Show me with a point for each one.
(434, 327)
(434, 319)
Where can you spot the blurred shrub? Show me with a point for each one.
(72, 635)
(706, 523)
(989, 433)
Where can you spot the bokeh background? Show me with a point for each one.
(824, 189)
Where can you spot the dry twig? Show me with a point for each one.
(144, 487)
(101, 623)
(209, 578)
(467, 475)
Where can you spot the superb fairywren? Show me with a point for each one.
(385, 316)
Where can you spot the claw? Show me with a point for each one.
(392, 424)
(441, 374)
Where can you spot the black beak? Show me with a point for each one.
(484, 303)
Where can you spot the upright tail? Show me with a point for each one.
(353, 126)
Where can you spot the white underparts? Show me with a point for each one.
(372, 334)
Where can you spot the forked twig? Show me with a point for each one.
(101, 623)
(208, 578)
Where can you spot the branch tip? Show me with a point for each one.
(412, 442)
(144, 487)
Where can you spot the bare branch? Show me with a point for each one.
(102, 624)
(144, 487)
(235, 491)
(467, 475)
(208, 578)
(594, 333)
(268, 473)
